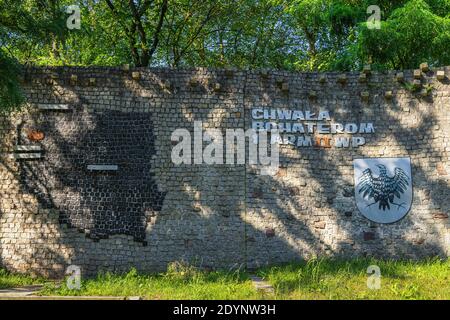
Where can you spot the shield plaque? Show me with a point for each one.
(383, 188)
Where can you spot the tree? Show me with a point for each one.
(410, 35)
(136, 19)
(293, 35)
(21, 25)
(188, 26)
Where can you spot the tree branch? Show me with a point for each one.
(116, 14)
(158, 28)
(143, 36)
(197, 33)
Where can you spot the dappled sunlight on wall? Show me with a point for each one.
(149, 212)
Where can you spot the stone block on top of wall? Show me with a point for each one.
(400, 77)
(320, 225)
(216, 86)
(229, 72)
(322, 78)
(367, 69)
(417, 74)
(73, 79)
(342, 79)
(388, 95)
(440, 75)
(416, 84)
(362, 77)
(264, 74)
(136, 75)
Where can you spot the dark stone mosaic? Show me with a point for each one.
(99, 203)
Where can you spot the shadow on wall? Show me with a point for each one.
(327, 178)
(98, 203)
(102, 204)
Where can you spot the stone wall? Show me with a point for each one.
(147, 212)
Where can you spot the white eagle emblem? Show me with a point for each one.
(386, 197)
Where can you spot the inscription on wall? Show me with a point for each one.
(307, 129)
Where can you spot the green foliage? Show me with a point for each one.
(9, 280)
(410, 87)
(10, 92)
(297, 35)
(309, 35)
(428, 88)
(411, 34)
(25, 27)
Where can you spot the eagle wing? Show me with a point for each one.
(398, 184)
(368, 186)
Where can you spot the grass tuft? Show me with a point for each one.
(9, 280)
(347, 279)
(181, 281)
(314, 279)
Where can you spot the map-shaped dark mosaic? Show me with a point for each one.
(99, 203)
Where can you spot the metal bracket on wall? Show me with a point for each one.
(103, 167)
(27, 152)
(27, 156)
(24, 148)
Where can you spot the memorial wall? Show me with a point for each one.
(88, 177)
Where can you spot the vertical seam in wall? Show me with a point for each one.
(245, 172)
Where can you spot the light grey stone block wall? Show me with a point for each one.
(215, 216)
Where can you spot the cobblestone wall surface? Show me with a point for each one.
(102, 192)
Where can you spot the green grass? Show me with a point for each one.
(179, 282)
(9, 280)
(316, 279)
(327, 279)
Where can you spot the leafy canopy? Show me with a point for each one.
(300, 35)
